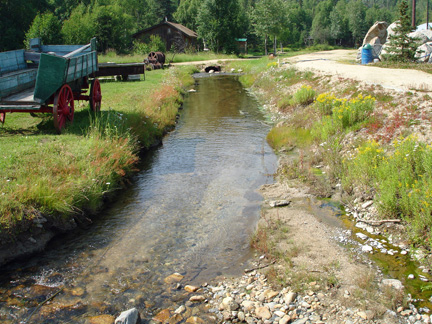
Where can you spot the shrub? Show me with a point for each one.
(325, 103)
(350, 112)
(304, 96)
(340, 114)
(402, 179)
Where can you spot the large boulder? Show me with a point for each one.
(376, 47)
(427, 33)
(384, 52)
(390, 29)
(378, 30)
(419, 37)
(423, 52)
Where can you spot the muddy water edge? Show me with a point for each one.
(191, 210)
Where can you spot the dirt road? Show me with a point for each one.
(336, 63)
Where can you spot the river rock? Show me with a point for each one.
(394, 283)
(269, 294)
(367, 248)
(175, 277)
(229, 304)
(78, 291)
(248, 305)
(367, 204)
(263, 312)
(130, 316)
(290, 297)
(102, 319)
(190, 288)
(279, 203)
(285, 320)
(180, 310)
(175, 319)
(195, 320)
(197, 299)
(241, 316)
(361, 236)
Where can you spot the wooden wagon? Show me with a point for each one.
(47, 79)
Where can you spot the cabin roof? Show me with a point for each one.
(179, 27)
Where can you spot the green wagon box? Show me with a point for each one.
(48, 79)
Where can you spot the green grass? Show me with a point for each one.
(61, 176)
(169, 57)
(425, 67)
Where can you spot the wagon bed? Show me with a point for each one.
(48, 79)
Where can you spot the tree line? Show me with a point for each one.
(217, 22)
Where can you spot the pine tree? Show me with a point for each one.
(401, 46)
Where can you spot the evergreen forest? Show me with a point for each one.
(292, 23)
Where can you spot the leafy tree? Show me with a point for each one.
(339, 24)
(374, 14)
(16, 17)
(80, 27)
(300, 22)
(187, 13)
(110, 24)
(321, 22)
(63, 8)
(219, 24)
(401, 47)
(268, 19)
(356, 20)
(47, 27)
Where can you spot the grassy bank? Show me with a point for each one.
(62, 176)
(169, 58)
(371, 142)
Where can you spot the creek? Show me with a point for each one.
(191, 209)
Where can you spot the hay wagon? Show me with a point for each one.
(48, 79)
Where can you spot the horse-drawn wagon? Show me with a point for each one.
(47, 79)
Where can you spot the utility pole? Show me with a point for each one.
(427, 14)
(413, 23)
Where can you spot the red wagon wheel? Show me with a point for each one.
(2, 117)
(63, 109)
(95, 95)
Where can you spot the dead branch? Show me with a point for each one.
(260, 267)
(380, 222)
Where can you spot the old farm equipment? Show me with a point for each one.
(47, 79)
(120, 69)
(156, 60)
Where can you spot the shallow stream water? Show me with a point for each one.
(192, 209)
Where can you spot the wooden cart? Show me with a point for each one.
(47, 79)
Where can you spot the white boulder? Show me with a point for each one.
(423, 52)
(378, 30)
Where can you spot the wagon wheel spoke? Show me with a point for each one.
(63, 109)
(2, 117)
(95, 96)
